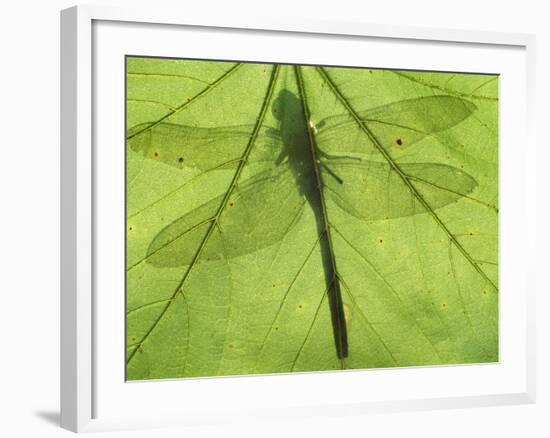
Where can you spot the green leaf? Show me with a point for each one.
(298, 218)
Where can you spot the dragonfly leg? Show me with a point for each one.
(331, 173)
(336, 157)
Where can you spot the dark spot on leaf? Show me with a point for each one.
(231, 204)
(381, 240)
(156, 154)
(471, 234)
(444, 305)
(399, 141)
(299, 306)
(130, 228)
(276, 328)
(180, 159)
(273, 285)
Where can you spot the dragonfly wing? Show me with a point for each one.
(258, 213)
(395, 125)
(372, 190)
(202, 148)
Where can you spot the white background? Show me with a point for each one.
(29, 219)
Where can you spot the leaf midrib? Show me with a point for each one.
(342, 342)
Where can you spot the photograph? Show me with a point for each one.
(287, 218)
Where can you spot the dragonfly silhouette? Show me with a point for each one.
(264, 207)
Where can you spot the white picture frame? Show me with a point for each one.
(84, 354)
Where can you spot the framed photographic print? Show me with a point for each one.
(259, 208)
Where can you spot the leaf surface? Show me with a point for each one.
(289, 218)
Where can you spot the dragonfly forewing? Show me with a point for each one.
(396, 125)
(182, 146)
